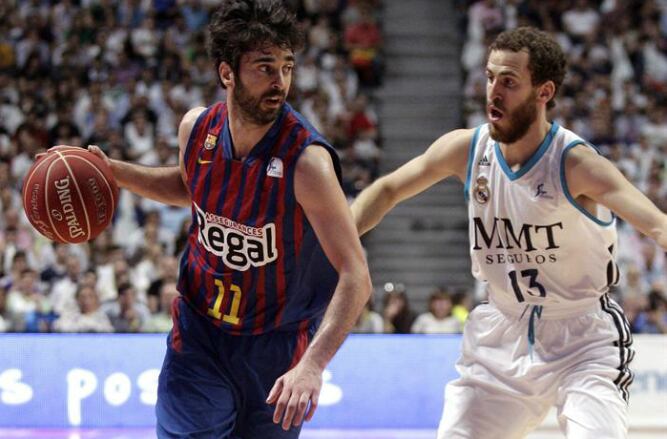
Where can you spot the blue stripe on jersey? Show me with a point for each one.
(566, 189)
(537, 155)
(471, 159)
(228, 153)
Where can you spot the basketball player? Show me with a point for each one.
(268, 216)
(542, 238)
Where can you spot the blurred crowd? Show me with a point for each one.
(121, 74)
(446, 312)
(614, 95)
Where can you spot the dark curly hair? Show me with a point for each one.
(239, 26)
(546, 60)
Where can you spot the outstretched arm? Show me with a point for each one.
(164, 184)
(590, 175)
(446, 156)
(320, 195)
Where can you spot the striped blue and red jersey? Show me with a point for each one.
(252, 262)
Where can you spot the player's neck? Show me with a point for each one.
(245, 134)
(519, 152)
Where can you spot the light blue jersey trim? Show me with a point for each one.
(566, 190)
(537, 155)
(471, 158)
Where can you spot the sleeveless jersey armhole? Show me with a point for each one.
(566, 190)
(195, 128)
(471, 159)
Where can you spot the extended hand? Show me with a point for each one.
(293, 392)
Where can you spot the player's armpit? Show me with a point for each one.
(447, 156)
(588, 174)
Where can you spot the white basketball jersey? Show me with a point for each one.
(529, 240)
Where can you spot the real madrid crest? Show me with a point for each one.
(481, 190)
(211, 141)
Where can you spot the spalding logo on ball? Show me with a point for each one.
(70, 195)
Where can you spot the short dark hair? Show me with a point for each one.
(546, 60)
(239, 26)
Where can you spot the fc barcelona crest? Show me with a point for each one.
(210, 141)
(481, 190)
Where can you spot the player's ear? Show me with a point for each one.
(226, 74)
(546, 91)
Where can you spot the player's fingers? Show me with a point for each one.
(281, 404)
(301, 408)
(275, 391)
(97, 151)
(290, 411)
(314, 401)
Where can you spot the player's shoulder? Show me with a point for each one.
(189, 119)
(456, 142)
(191, 116)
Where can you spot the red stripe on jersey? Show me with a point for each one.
(301, 345)
(298, 230)
(176, 341)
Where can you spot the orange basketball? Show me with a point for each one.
(70, 195)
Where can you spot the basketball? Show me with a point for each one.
(70, 195)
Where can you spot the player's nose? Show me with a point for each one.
(493, 91)
(279, 81)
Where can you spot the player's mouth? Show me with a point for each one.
(275, 101)
(493, 113)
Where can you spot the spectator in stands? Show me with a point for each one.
(125, 313)
(161, 321)
(5, 323)
(461, 305)
(654, 319)
(63, 293)
(396, 314)
(363, 42)
(581, 21)
(167, 271)
(28, 307)
(369, 321)
(55, 269)
(86, 316)
(438, 319)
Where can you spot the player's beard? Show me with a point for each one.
(251, 106)
(519, 121)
